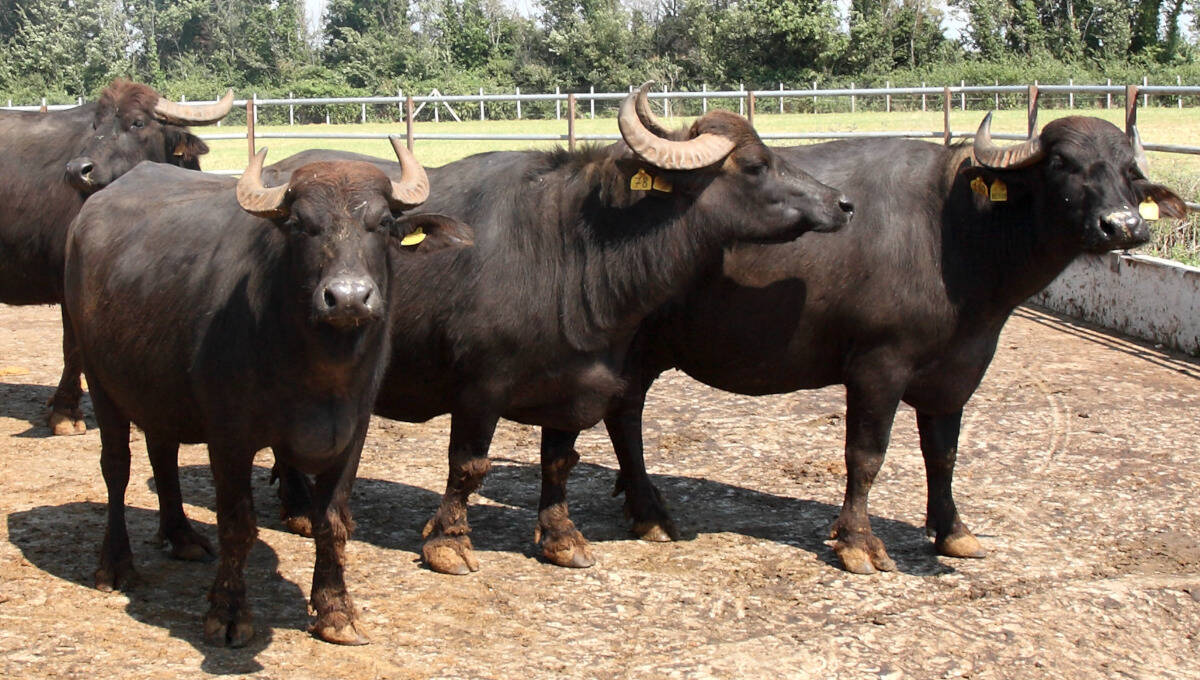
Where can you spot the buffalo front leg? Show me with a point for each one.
(229, 621)
(643, 503)
(939, 447)
(447, 547)
(561, 542)
(870, 412)
(295, 495)
(337, 617)
(116, 558)
(66, 418)
(173, 524)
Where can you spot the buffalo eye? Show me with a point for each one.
(756, 168)
(1056, 162)
(138, 123)
(387, 224)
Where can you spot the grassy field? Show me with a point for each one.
(1157, 125)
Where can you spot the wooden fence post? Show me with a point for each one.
(571, 121)
(291, 110)
(1032, 111)
(482, 114)
(592, 101)
(408, 122)
(250, 126)
(750, 107)
(946, 115)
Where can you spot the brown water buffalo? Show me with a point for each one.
(225, 312)
(51, 163)
(573, 251)
(905, 304)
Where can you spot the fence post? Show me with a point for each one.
(592, 100)
(946, 115)
(518, 103)
(1145, 98)
(922, 96)
(703, 100)
(741, 99)
(666, 104)
(399, 102)
(1131, 93)
(557, 104)
(408, 122)
(852, 98)
(814, 97)
(750, 107)
(250, 107)
(364, 113)
(1031, 111)
(997, 93)
(44, 107)
(1108, 95)
(1179, 82)
(887, 98)
(291, 110)
(1071, 93)
(482, 115)
(571, 121)
(781, 99)
(962, 95)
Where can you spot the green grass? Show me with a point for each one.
(1176, 240)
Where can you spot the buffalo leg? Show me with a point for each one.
(331, 527)
(870, 411)
(66, 417)
(447, 547)
(116, 558)
(229, 621)
(561, 542)
(939, 447)
(295, 495)
(643, 503)
(173, 524)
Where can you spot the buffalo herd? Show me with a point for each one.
(551, 288)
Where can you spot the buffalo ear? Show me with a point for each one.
(1169, 204)
(183, 148)
(441, 232)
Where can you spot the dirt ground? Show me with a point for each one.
(1078, 468)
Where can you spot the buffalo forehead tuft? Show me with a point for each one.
(342, 178)
(127, 96)
(727, 124)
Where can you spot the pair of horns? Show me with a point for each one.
(273, 202)
(193, 114)
(649, 139)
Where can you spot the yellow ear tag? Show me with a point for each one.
(414, 238)
(1148, 209)
(664, 185)
(979, 186)
(999, 192)
(641, 181)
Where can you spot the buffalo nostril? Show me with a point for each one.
(85, 169)
(845, 204)
(330, 299)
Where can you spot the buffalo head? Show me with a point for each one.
(721, 163)
(341, 219)
(133, 123)
(1086, 174)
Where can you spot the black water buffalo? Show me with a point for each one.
(51, 163)
(245, 318)
(573, 251)
(905, 304)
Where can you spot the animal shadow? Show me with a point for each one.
(168, 593)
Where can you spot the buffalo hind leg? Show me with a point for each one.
(66, 418)
(939, 447)
(561, 542)
(173, 525)
(643, 503)
(116, 558)
(447, 548)
(229, 621)
(870, 411)
(295, 495)
(337, 617)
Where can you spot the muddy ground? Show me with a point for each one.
(1078, 468)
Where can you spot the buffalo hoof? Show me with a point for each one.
(567, 549)
(660, 531)
(300, 525)
(450, 555)
(336, 628)
(67, 424)
(119, 575)
(863, 555)
(236, 632)
(188, 545)
(960, 544)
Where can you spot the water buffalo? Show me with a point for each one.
(245, 317)
(51, 163)
(905, 304)
(573, 251)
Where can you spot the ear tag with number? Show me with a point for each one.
(1148, 209)
(999, 192)
(663, 184)
(642, 181)
(414, 238)
(979, 186)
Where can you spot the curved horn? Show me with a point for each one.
(698, 152)
(1011, 158)
(646, 115)
(413, 187)
(193, 114)
(269, 202)
(1139, 151)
